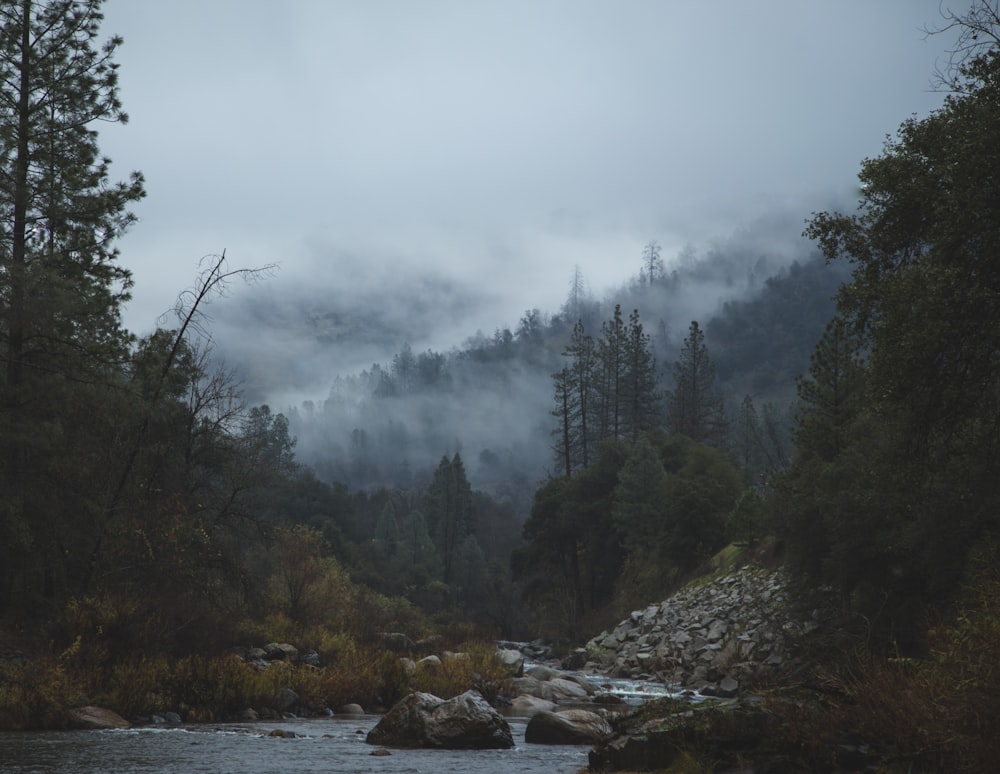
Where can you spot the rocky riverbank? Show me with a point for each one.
(711, 637)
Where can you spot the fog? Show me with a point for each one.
(423, 172)
(323, 354)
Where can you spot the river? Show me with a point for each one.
(327, 745)
(334, 744)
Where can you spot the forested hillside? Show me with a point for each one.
(492, 397)
(840, 407)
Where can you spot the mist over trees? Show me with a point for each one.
(134, 467)
(492, 398)
(582, 459)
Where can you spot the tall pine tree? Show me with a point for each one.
(448, 505)
(640, 397)
(61, 287)
(694, 407)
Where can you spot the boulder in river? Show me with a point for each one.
(572, 726)
(526, 706)
(465, 722)
(96, 718)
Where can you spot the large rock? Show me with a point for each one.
(572, 726)
(513, 660)
(525, 706)
(280, 651)
(466, 722)
(96, 718)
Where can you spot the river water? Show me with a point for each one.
(327, 745)
(321, 745)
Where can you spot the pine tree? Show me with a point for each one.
(449, 511)
(562, 411)
(61, 287)
(652, 264)
(831, 393)
(611, 371)
(694, 408)
(574, 403)
(641, 402)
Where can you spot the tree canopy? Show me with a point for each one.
(897, 472)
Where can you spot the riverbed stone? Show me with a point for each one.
(512, 659)
(525, 706)
(465, 722)
(96, 718)
(571, 726)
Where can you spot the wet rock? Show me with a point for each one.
(96, 718)
(526, 706)
(466, 722)
(513, 660)
(571, 726)
(655, 741)
(563, 689)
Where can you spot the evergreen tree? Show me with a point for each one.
(61, 287)
(387, 530)
(831, 393)
(574, 402)
(583, 363)
(652, 264)
(449, 511)
(639, 503)
(891, 486)
(611, 375)
(641, 399)
(564, 430)
(694, 408)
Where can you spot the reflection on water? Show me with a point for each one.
(327, 745)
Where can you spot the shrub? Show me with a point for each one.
(476, 666)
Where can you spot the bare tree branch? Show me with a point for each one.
(978, 33)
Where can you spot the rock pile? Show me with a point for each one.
(708, 637)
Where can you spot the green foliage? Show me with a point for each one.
(449, 511)
(699, 495)
(474, 665)
(694, 406)
(61, 289)
(572, 549)
(37, 693)
(746, 525)
(627, 527)
(760, 343)
(640, 501)
(896, 470)
(607, 390)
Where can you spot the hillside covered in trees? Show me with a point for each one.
(541, 479)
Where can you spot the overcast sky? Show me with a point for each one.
(495, 143)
